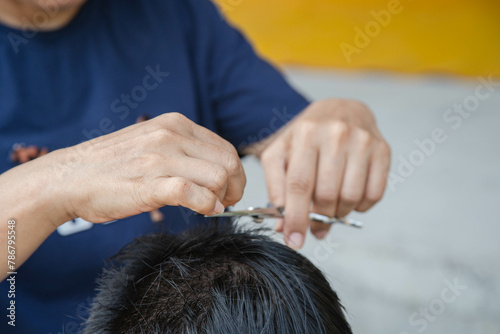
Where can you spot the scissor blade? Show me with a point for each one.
(258, 214)
(232, 214)
(271, 212)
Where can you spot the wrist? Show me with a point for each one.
(57, 195)
(41, 184)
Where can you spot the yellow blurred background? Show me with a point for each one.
(455, 37)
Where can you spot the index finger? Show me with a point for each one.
(185, 126)
(300, 180)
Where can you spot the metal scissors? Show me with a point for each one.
(259, 214)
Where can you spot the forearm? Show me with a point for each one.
(31, 201)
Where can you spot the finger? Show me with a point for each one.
(377, 178)
(236, 179)
(32, 152)
(208, 136)
(331, 167)
(354, 181)
(273, 161)
(183, 125)
(300, 180)
(177, 191)
(278, 225)
(204, 173)
(187, 128)
(320, 230)
(23, 156)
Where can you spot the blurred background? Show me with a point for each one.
(428, 260)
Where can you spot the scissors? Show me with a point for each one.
(259, 214)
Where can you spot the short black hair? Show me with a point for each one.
(217, 278)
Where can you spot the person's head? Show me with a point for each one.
(214, 279)
(38, 15)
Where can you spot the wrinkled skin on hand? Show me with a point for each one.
(168, 160)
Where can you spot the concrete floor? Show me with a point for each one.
(428, 260)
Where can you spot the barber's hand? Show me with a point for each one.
(168, 160)
(330, 159)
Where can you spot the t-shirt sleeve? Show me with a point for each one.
(249, 97)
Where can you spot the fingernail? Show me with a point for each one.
(219, 208)
(321, 234)
(296, 240)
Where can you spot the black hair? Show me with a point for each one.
(217, 278)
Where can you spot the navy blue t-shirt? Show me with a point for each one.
(115, 61)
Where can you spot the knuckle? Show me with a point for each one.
(350, 197)
(161, 135)
(298, 185)
(374, 197)
(175, 116)
(220, 178)
(385, 150)
(266, 156)
(227, 146)
(307, 128)
(339, 133)
(326, 197)
(233, 165)
(364, 138)
(230, 147)
(272, 156)
(173, 119)
(180, 188)
(340, 129)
